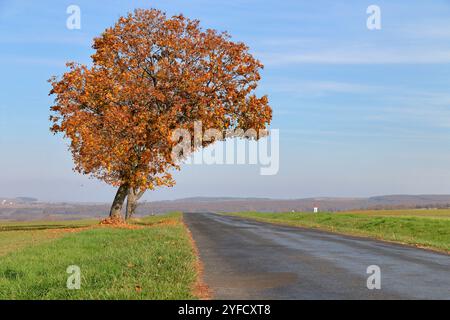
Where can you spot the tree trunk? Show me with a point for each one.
(116, 208)
(131, 204)
(132, 199)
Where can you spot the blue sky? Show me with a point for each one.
(360, 112)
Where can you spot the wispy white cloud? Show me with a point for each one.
(407, 43)
(358, 55)
(430, 109)
(316, 88)
(346, 136)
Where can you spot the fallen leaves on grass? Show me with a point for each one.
(118, 223)
(66, 230)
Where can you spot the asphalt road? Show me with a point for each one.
(245, 259)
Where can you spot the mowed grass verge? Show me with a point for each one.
(17, 235)
(421, 231)
(155, 261)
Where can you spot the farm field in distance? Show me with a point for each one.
(17, 235)
(427, 228)
(153, 258)
(426, 213)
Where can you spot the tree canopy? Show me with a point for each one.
(152, 74)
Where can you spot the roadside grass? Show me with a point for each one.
(155, 260)
(17, 235)
(425, 213)
(45, 225)
(169, 218)
(426, 232)
(16, 240)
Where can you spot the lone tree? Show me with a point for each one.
(150, 75)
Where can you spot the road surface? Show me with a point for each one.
(246, 259)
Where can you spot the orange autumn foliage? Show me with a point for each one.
(152, 74)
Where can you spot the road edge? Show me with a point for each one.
(200, 288)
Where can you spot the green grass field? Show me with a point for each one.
(422, 228)
(155, 261)
(425, 213)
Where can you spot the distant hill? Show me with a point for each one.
(25, 208)
(18, 200)
(26, 199)
(214, 199)
(305, 204)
